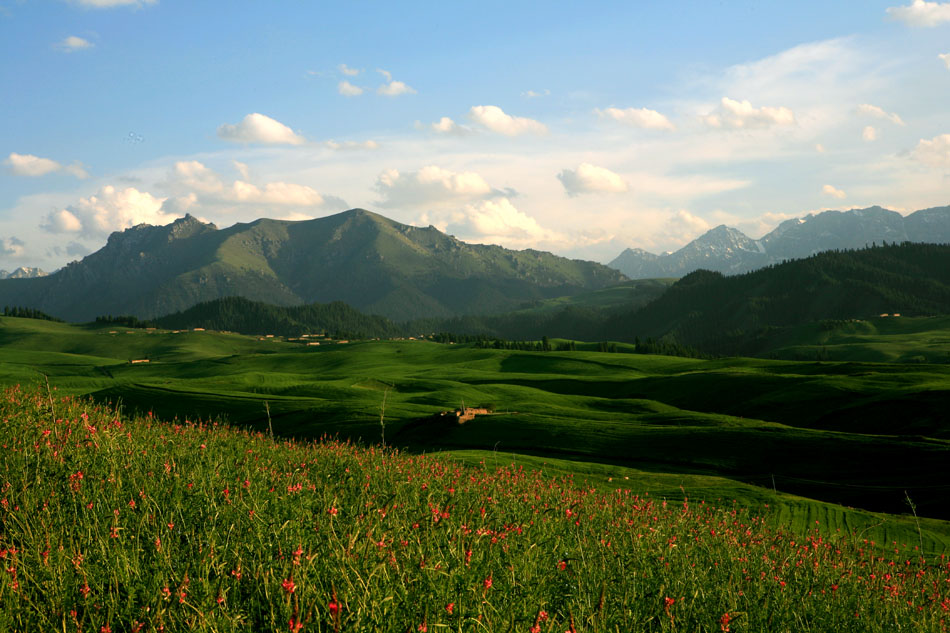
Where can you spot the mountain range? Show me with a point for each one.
(372, 263)
(22, 272)
(730, 251)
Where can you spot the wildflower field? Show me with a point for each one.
(110, 523)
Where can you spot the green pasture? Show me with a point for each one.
(792, 434)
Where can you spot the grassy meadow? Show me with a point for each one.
(842, 443)
(112, 523)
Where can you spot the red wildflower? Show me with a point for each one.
(449, 607)
(724, 621)
(289, 585)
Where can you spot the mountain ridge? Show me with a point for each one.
(371, 262)
(729, 251)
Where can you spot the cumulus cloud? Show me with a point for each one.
(11, 246)
(741, 114)
(921, 13)
(431, 185)
(349, 72)
(73, 43)
(869, 133)
(347, 89)
(495, 221)
(62, 221)
(945, 57)
(446, 126)
(496, 120)
(352, 145)
(195, 183)
(878, 113)
(30, 165)
(258, 128)
(589, 178)
(393, 88)
(935, 152)
(830, 190)
(111, 209)
(638, 117)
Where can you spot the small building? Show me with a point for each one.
(465, 414)
(138, 361)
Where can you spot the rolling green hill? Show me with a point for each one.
(363, 259)
(846, 433)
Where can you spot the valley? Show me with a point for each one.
(845, 443)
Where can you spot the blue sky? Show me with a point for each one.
(580, 128)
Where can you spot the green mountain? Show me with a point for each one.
(742, 314)
(370, 262)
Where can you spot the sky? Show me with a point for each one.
(577, 128)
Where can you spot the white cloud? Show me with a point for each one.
(352, 145)
(830, 190)
(280, 193)
(108, 4)
(638, 117)
(194, 176)
(945, 57)
(242, 169)
(62, 221)
(30, 165)
(819, 148)
(447, 126)
(258, 128)
(73, 43)
(495, 119)
(347, 89)
(195, 183)
(394, 89)
(878, 113)
(869, 133)
(349, 72)
(11, 246)
(532, 94)
(495, 221)
(741, 114)
(935, 152)
(431, 185)
(921, 13)
(109, 210)
(77, 169)
(589, 178)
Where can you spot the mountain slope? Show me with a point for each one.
(725, 314)
(729, 251)
(368, 261)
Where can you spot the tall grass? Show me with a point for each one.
(111, 524)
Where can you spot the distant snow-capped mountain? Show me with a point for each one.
(23, 272)
(728, 250)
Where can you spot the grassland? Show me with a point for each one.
(111, 523)
(808, 439)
